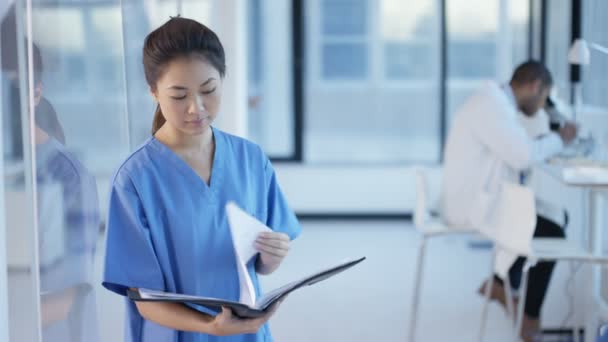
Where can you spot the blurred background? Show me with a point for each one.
(347, 97)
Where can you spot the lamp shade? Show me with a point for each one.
(579, 52)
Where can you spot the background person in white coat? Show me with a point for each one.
(485, 130)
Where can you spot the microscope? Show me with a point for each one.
(581, 146)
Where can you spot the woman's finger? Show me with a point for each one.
(226, 312)
(271, 249)
(274, 236)
(274, 244)
(278, 253)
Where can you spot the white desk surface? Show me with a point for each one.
(578, 173)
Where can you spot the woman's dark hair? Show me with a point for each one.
(179, 37)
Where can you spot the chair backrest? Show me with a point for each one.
(421, 213)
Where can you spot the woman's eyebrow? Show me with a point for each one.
(207, 81)
(178, 87)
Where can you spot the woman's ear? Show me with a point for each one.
(154, 95)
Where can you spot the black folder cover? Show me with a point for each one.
(240, 309)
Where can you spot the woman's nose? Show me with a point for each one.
(197, 105)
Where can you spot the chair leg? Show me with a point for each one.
(486, 299)
(575, 332)
(522, 299)
(416, 293)
(509, 298)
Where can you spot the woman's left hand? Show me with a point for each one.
(273, 248)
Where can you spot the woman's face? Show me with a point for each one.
(189, 94)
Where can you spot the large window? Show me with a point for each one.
(519, 30)
(345, 39)
(472, 28)
(558, 28)
(372, 81)
(373, 76)
(595, 75)
(271, 105)
(487, 39)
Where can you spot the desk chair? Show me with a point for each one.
(428, 227)
(547, 249)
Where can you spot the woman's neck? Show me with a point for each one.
(179, 141)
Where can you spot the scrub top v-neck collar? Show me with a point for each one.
(211, 189)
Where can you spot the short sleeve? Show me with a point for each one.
(280, 216)
(130, 261)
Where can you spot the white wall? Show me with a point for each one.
(352, 189)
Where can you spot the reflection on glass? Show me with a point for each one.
(66, 204)
(20, 249)
(82, 50)
(68, 226)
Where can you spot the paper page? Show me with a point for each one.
(153, 294)
(244, 229)
(247, 295)
(270, 296)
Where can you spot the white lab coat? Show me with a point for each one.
(487, 148)
(537, 126)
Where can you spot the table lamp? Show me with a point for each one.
(579, 54)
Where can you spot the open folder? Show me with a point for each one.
(244, 230)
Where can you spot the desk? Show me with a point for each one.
(592, 179)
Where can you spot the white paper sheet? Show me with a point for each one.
(244, 229)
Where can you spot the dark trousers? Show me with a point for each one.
(540, 275)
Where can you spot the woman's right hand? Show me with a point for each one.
(226, 323)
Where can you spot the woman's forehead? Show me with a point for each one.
(188, 71)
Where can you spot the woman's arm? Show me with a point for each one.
(181, 317)
(56, 307)
(175, 316)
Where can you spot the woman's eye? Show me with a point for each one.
(208, 92)
(178, 98)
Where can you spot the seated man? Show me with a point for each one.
(487, 143)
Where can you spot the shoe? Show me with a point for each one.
(530, 329)
(497, 292)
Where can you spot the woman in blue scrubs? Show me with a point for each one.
(167, 226)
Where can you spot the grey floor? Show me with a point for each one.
(371, 301)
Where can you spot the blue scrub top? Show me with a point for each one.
(168, 231)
